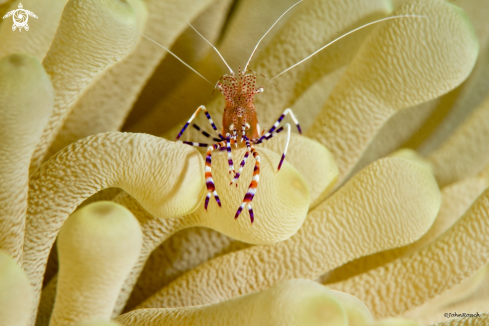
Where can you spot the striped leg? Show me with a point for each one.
(230, 157)
(279, 130)
(211, 188)
(243, 162)
(191, 143)
(205, 133)
(245, 126)
(275, 125)
(193, 117)
(252, 188)
(235, 137)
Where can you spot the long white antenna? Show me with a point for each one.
(173, 54)
(230, 70)
(251, 56)
(339, 38)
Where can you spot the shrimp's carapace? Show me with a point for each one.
(239, 90)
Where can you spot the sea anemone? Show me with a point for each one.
(379, 215)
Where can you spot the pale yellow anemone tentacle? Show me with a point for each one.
(321, 21)
(429, 124)
(88, 117)
(404, 63)
(410, 154)
(356, 311)
(16, 295)
(98, 245)
(373, 212)
(465, 152)
(180, 253)
(289, 303)
(96, 112)
(200, 245)
(455, 200)
(98, 323)
(243, 30)
(407, 282)
(26, 102)
(4, 8)
(165, 21)
(280, 207)
(453, 108)
(315, 96)
(320, 174)
(396, 131)
(165, 177)
(432, 311)
(193, 50)
(91, 35)
(44, 28)
(313, 161)
(395, 322)
(482, 320)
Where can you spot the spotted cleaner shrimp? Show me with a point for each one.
(239, 90)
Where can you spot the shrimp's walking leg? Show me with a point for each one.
(191, 143)
(193, 117)
(287, 125)
(230, 157)
(275, 125)
(252, 188)
(243, 162)
(211, 187)
(205, 133)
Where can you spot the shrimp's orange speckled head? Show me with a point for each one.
(239, 91)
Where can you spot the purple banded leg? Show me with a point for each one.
(209, 181)
(243, 162)
(200, 108)
(205, 133)
(286, 146)
(193, 143)
(235, 137)
(230, 157)
(252, 216)
(245, 126)
(279, 130)
(282, 116)
(252, 188)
